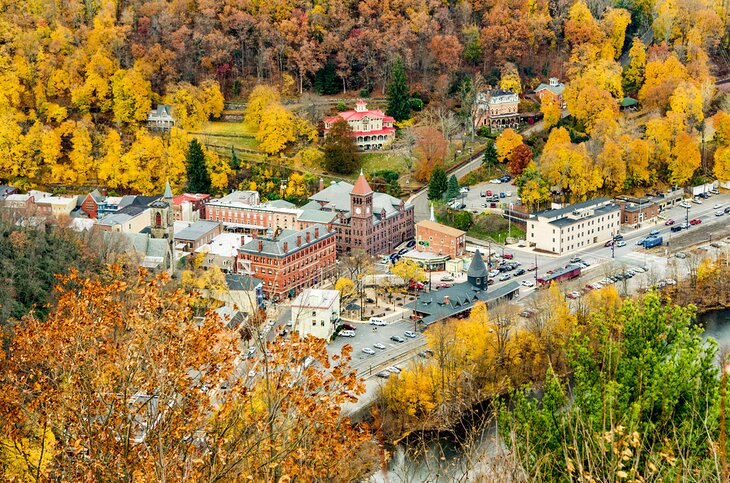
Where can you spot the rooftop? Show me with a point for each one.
(275, 246)
(197, 230)
(241, 281)
(559, 212)
(316, 298)
(603, 210)
(448, 230)
(225, 244)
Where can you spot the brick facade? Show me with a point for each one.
(290, 261)
(432, 237)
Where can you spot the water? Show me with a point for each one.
(475, 454)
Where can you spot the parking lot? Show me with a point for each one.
(476, 203)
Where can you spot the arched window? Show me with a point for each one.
(158, 219)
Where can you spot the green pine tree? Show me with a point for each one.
(453, 190)
(438, 184)
(197, 169)
(490, 157)
(340, 150)
(235, 164)
(398, 96)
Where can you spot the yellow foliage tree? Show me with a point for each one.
(259, 101)
(276, 129)
(111, 170)
(510, 79)
(687, 101)
(721, 122)
(661, 79)
(551, 112)
(684, 159)
(24, 458)
(637, 159)
(581, 26)
(346, 288)
(506, 142)
(297, 186)
(588, 102)
(614, 23)
(80, 156)
(613, 165)
(408, 270)
(219, 170)
(187, 105)
(212, 98)
(634, 73)
(132, 96)
(722, 163)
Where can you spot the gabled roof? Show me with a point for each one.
(477, 269)
(96, 196)
(555, 89)
(432, 225)
(197, 230)
(241, 281)
(361, 186)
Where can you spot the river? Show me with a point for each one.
(444, 457)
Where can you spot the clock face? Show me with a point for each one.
(358, 211)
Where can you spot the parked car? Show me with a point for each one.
(527, 283)
(464, 189)
(506, 178)
(620, 243)
(397, 338)
(508, 256)
(347, 333)
(368, 351)
(423, 354)
(685, 204)
(378, 322)
(532, 268)
(443, 285)
(676, 228)
(654, 233)
(697, 201)
(618, 236)
(393, 369)
(508, 194)
(519, 272)
(383, 374)
(717, 206)
(714, 191)
(495, 181)
(378, 345)
(680, 255)
(493, 273)
(719, 213)
(639, 269)
(705, 196)
(489, 193)
(447, 278)
(609, 243)
(251, 351)
(573, 295)
(669, 222)
(410, 334)
(482, 194)
(727, 210)
(505, 276)
(695, 221)
(349, 326)
(411, 243)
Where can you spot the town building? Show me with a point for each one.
(18, 202)
(49, 205)
(288, 261)
(433, 237)
(197, 234)
(458, 299)
(6, 191)
(90, 204)
(222, 250)
(497, 109)
(573, 227)
(242, 212)
(315, 312)
(371, 128)
(154, 248)
(130, 219)
(365, 220)
(635, 211)
(245, 293)
(160, 118)
(189, 206)
(552, 90)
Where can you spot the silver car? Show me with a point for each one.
(368, 350)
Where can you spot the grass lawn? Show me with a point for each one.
(377, 161)
(227, 134)
(498, 236)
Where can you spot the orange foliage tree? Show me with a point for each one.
(430, 151)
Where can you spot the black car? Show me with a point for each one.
(676, 228)
(397, 338)
(411, 244)
(727, 210)
(519, 272)
(403, 251)
(618, 236)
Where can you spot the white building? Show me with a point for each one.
(316, 312)
(574, 227)
(53, 205)
(222, 250)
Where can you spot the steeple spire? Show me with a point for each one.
(168, 191)
(433, 216)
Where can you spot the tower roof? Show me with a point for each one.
(168, 191)
(361, 186)
(477, 267)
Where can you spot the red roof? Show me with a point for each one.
(354, 116)
(361, 186)
(177, 200)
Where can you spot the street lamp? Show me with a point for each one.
(509, 220)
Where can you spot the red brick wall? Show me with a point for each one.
(439, 242)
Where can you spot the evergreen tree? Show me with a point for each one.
(234, 163)
(490, 157)
(453, 190)
(197, 169)
(398, 96)
(340, 150)
(393, 188)
(325, 80)
(438, 184)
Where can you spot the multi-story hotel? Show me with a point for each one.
(288, 261)
(497, 109)
(370, 127)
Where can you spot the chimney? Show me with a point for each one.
(243, 240)
(316, 232)
(299, 240)
(446, 300)
(307, 235)
(286, 247)
(321, 184)
(261, 245)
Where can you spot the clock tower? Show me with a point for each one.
(361, 214)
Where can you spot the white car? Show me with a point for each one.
(410, 334)
(684, 204)
(528, 283)
(347, 333)
(496, 181)
(378, 322)
(464, 190)
(368, 350)
(251, 373)
(378, 345)
(620, 243)
(508, 194)
(697, 201)
(717, 206)
(494, 273)
(719, 213)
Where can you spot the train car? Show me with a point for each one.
(567, 273)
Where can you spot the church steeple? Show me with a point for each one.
(168, 192)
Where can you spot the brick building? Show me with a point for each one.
(287, 261)
(197, 235)
(497, 109)
(432, 237)
(637, 210)
(366, 220)
(553, 90)
(242, 212)
(189, 207)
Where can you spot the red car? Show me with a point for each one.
(696, 221)
(508, 256)
(669, 222)
(444, 285)
(531, 268)
(489, 192)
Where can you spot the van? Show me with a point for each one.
(676, 228)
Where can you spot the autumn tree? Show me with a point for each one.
(430, 150)
(506, 143)
(261, 97)
(197, 169)
(510, 78)
(276, 129)
(132, 96)
(614, 23)
(446, 51)
(398, 94)
(551, 112)
(634, 71)
(519, 159)
(532, 188)
(408, 271)
(340, 150)
(661, 80)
